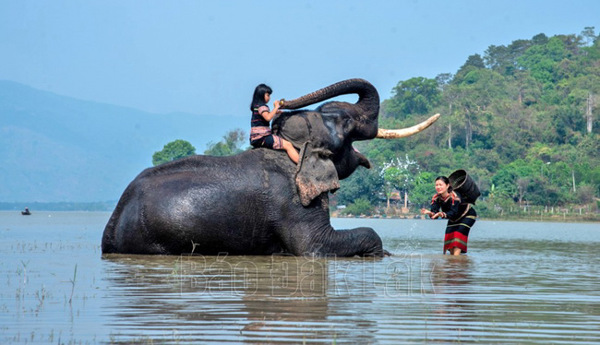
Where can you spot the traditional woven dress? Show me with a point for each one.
(260, 130)
(461, 217)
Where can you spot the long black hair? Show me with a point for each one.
(259, 95)
(446, 181)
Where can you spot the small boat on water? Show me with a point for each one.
(26, 212)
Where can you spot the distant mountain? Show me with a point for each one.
(56, 149)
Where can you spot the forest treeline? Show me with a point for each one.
(522, 120)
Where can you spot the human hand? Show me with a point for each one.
(437, 215)
(427, 212)
(276, 105)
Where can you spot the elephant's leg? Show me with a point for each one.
(312, 233)
(361, 241)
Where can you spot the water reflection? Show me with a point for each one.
(230, 299)
(454, 307)
(521, 283)
(451, 274)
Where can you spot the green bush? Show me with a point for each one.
(361, 206)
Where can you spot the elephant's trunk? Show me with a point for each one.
(368, 97)
(367, 104)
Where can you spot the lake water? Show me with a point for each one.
(523, 283)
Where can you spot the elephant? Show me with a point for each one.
(259, 202)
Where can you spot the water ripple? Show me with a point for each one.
(525, 283)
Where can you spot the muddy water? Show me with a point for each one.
(520, 283)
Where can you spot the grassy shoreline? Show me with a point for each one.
(564, 218)
(108, 206)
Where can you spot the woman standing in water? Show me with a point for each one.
(446, 203)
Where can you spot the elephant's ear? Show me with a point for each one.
(316, 174)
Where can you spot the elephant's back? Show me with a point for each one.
(221, 204)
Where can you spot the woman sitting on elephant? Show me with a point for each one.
(260, 131)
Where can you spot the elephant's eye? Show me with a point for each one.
(348, 124)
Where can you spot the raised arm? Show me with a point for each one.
(268, 115)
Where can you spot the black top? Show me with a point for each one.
(257, 119)
(450, 206)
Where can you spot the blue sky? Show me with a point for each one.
(206, 57)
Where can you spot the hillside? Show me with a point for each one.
(55, 148)
(522, 119)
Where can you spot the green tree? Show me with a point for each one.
(414, 96)
(474, 62)
(360, 206)
(424, 189)
(363, 183)
(399, 173)
(230, 145)
(589, 35)
(544, 60)
(503, 59)
(172, 151)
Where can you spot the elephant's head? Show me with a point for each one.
(325, 135)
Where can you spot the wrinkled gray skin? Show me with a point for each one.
(258, 202)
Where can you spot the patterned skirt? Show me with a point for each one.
(262, 137)
(457, 231)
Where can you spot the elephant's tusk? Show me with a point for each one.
(383, 133)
